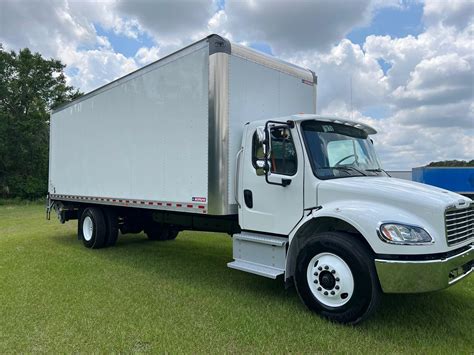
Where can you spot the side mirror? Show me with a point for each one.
(261, 134)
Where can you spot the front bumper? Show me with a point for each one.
(414, 276)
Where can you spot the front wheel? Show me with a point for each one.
(336, 278)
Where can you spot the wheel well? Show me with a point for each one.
(316, 226)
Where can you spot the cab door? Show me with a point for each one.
(275, 206)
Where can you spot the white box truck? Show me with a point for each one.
(219, 137)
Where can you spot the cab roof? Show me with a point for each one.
(362, 126)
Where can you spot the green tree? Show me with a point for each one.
(452, 163)
(30, 86)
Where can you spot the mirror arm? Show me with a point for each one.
(284, 182)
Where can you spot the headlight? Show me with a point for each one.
(403, 234)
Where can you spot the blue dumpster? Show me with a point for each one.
(460, 180)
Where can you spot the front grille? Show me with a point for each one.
(459, 224)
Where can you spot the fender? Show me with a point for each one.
(362, 218)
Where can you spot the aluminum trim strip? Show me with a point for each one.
(453, 213)
(218, 145)
(457, 224)
(467, 231)
(271, 62)
(461, 238)
(132, 202)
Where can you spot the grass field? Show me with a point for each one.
(179, 296)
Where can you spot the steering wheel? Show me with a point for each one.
(345, 158)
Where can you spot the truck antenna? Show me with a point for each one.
(350, 84)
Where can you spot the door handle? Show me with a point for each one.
(248, 198)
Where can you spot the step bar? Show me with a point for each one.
(259, 254)
(256, 269)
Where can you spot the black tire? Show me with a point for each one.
(111, 224)
(96, 239)
(172, 233)
(160, 232)
(366, 288)
(80, 211)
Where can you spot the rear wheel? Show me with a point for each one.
(172, 232)
(336, 278)
(92, 228)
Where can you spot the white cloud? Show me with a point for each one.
(459, 114)
(295, 25)
(458, 13)
(169, 20)
(65, 30)
(345, 65)
(431, 76)
(146, 55)
(96, 67)
(43, 25)
(440, 80)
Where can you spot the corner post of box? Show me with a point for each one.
(218, 147)
(218, 44)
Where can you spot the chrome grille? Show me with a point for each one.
(459, 224)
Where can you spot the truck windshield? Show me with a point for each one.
(337, 151)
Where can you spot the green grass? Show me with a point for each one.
(179, 296)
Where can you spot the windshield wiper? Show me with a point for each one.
(378, 170)
(345, 168)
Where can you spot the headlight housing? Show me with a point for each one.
(396, 233)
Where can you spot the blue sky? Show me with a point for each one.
(123, 44)
(392, 21)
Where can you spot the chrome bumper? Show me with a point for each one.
(409, 276)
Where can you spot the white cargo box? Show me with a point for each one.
(166, 136)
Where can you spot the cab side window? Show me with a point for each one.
(283, 158)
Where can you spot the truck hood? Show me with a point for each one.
(391, 191)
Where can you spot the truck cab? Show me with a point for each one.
(315, 206)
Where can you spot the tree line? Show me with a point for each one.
(452, 163)
(30, 86)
